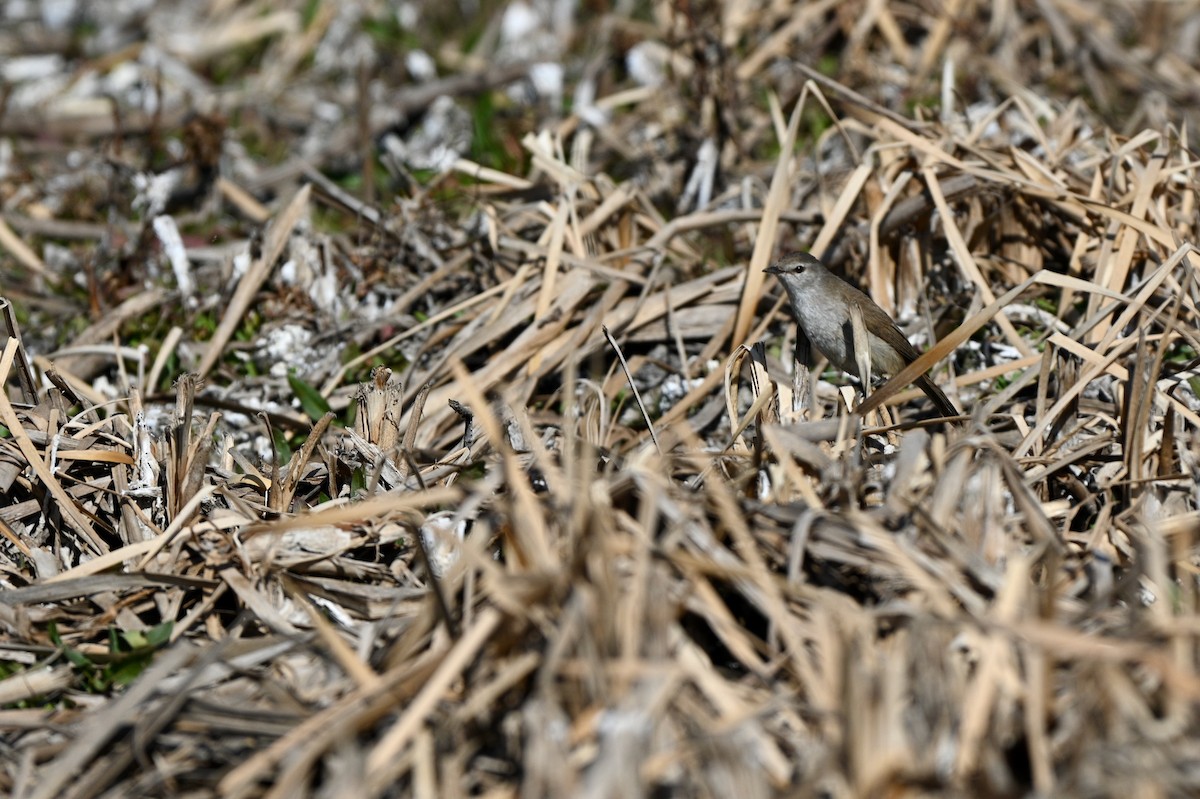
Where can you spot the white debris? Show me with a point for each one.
(172, 244)
(153, 191)
(420, 65)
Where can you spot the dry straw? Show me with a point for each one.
(605, 537)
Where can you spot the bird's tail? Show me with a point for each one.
(944, 405)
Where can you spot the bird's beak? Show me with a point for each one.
(772, 270)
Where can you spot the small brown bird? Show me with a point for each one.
(821, 302)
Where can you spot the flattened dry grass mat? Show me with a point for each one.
(332, 468)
